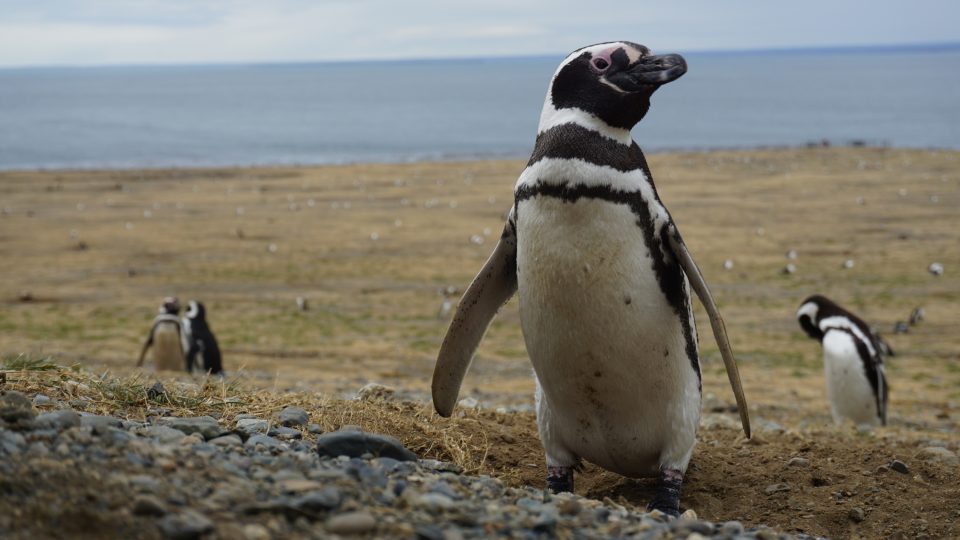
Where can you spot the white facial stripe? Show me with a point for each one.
(192, 312)
(810, 310)
(839, 322)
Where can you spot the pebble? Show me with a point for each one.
(16, 408)
(40, 400)
(97, 421)
(164, 434)
(227, 440)
(148, 505)
(263, 440)
(352, 523)
(58, 420)
(186, 525)
(206, 426)
(899, 466)
(285, 433)
(374, 391)
(354, 443)
(249, 426)
(856, 515)
(293, 417)
(777, 488)
(798, 462)
(434, 502)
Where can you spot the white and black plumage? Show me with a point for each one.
(602, 275)
(853, 357)
(165, 338)
(200, 341)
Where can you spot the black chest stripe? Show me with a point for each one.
(572, 141)
(670, 276)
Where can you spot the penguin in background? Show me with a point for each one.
(199, 340)
(165, 338)
(604, 279)
(853, 356)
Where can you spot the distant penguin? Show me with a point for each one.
(853, 357)
(200, 340)
(166, 338)
(603, 278)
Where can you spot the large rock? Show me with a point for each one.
(355, 443)
(936, 454)
(206, 426)
(252, 426)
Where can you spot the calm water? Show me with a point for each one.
(400, 111)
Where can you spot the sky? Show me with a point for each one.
(107, 32)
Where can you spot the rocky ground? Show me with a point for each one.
(76, 475)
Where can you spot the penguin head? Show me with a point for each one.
(170, 306)
(196, 311)
(809, 314)
(611, 81)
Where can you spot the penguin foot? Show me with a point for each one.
(667, 497)
(559, 478)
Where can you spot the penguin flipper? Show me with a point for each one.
(490, 289)
(692, 271)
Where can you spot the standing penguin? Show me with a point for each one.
(852, 361)
(602, 275)
(199, 340)
(165, 337)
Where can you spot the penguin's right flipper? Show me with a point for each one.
(146, 345)
(493, 286)
(692, 271)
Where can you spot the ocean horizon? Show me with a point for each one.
(213, 115)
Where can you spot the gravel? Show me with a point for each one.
(190, 478)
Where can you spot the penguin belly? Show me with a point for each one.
(167, 348)
(615, 384)
(850, 393)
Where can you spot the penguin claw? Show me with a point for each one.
(560, 479)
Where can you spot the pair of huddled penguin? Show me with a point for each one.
(604, 278)
(177, 342)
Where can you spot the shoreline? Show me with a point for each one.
(450, 159)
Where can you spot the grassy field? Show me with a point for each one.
(87, 257)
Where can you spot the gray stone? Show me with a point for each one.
(315, 502)
(937, 454)
(58, 420)
(285, 433)
(263, 440)
(352, 523)
(164, 434)
(98, 421)
(12, 442)
(358, 443)
(250, 426)
(15, 408)
(899, 466)
(206, 426)
(731, 528)
(227, 440)
(434, 502)
(41, 400)
(187, 525)
(148, 505)
(316, 429)
(293, 417)
(856, 515)
(798, 462)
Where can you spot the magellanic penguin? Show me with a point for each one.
(200, 340)
(852, 361)
(165, 338)
(602, 275)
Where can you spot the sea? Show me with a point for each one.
(477, 108)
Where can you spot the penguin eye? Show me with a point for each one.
(601, 63)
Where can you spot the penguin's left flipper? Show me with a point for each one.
(692, 271)
(493, 286)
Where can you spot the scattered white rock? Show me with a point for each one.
(728, 264)
(848, 264)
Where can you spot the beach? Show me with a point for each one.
(373, 248)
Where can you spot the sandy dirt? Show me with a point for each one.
(87, 256)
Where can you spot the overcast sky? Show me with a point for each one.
(76, 32)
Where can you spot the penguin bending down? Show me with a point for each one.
(602, 275)
(852, 361)
(199, 340)
(166, 338)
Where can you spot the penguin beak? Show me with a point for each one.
(649, 73)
